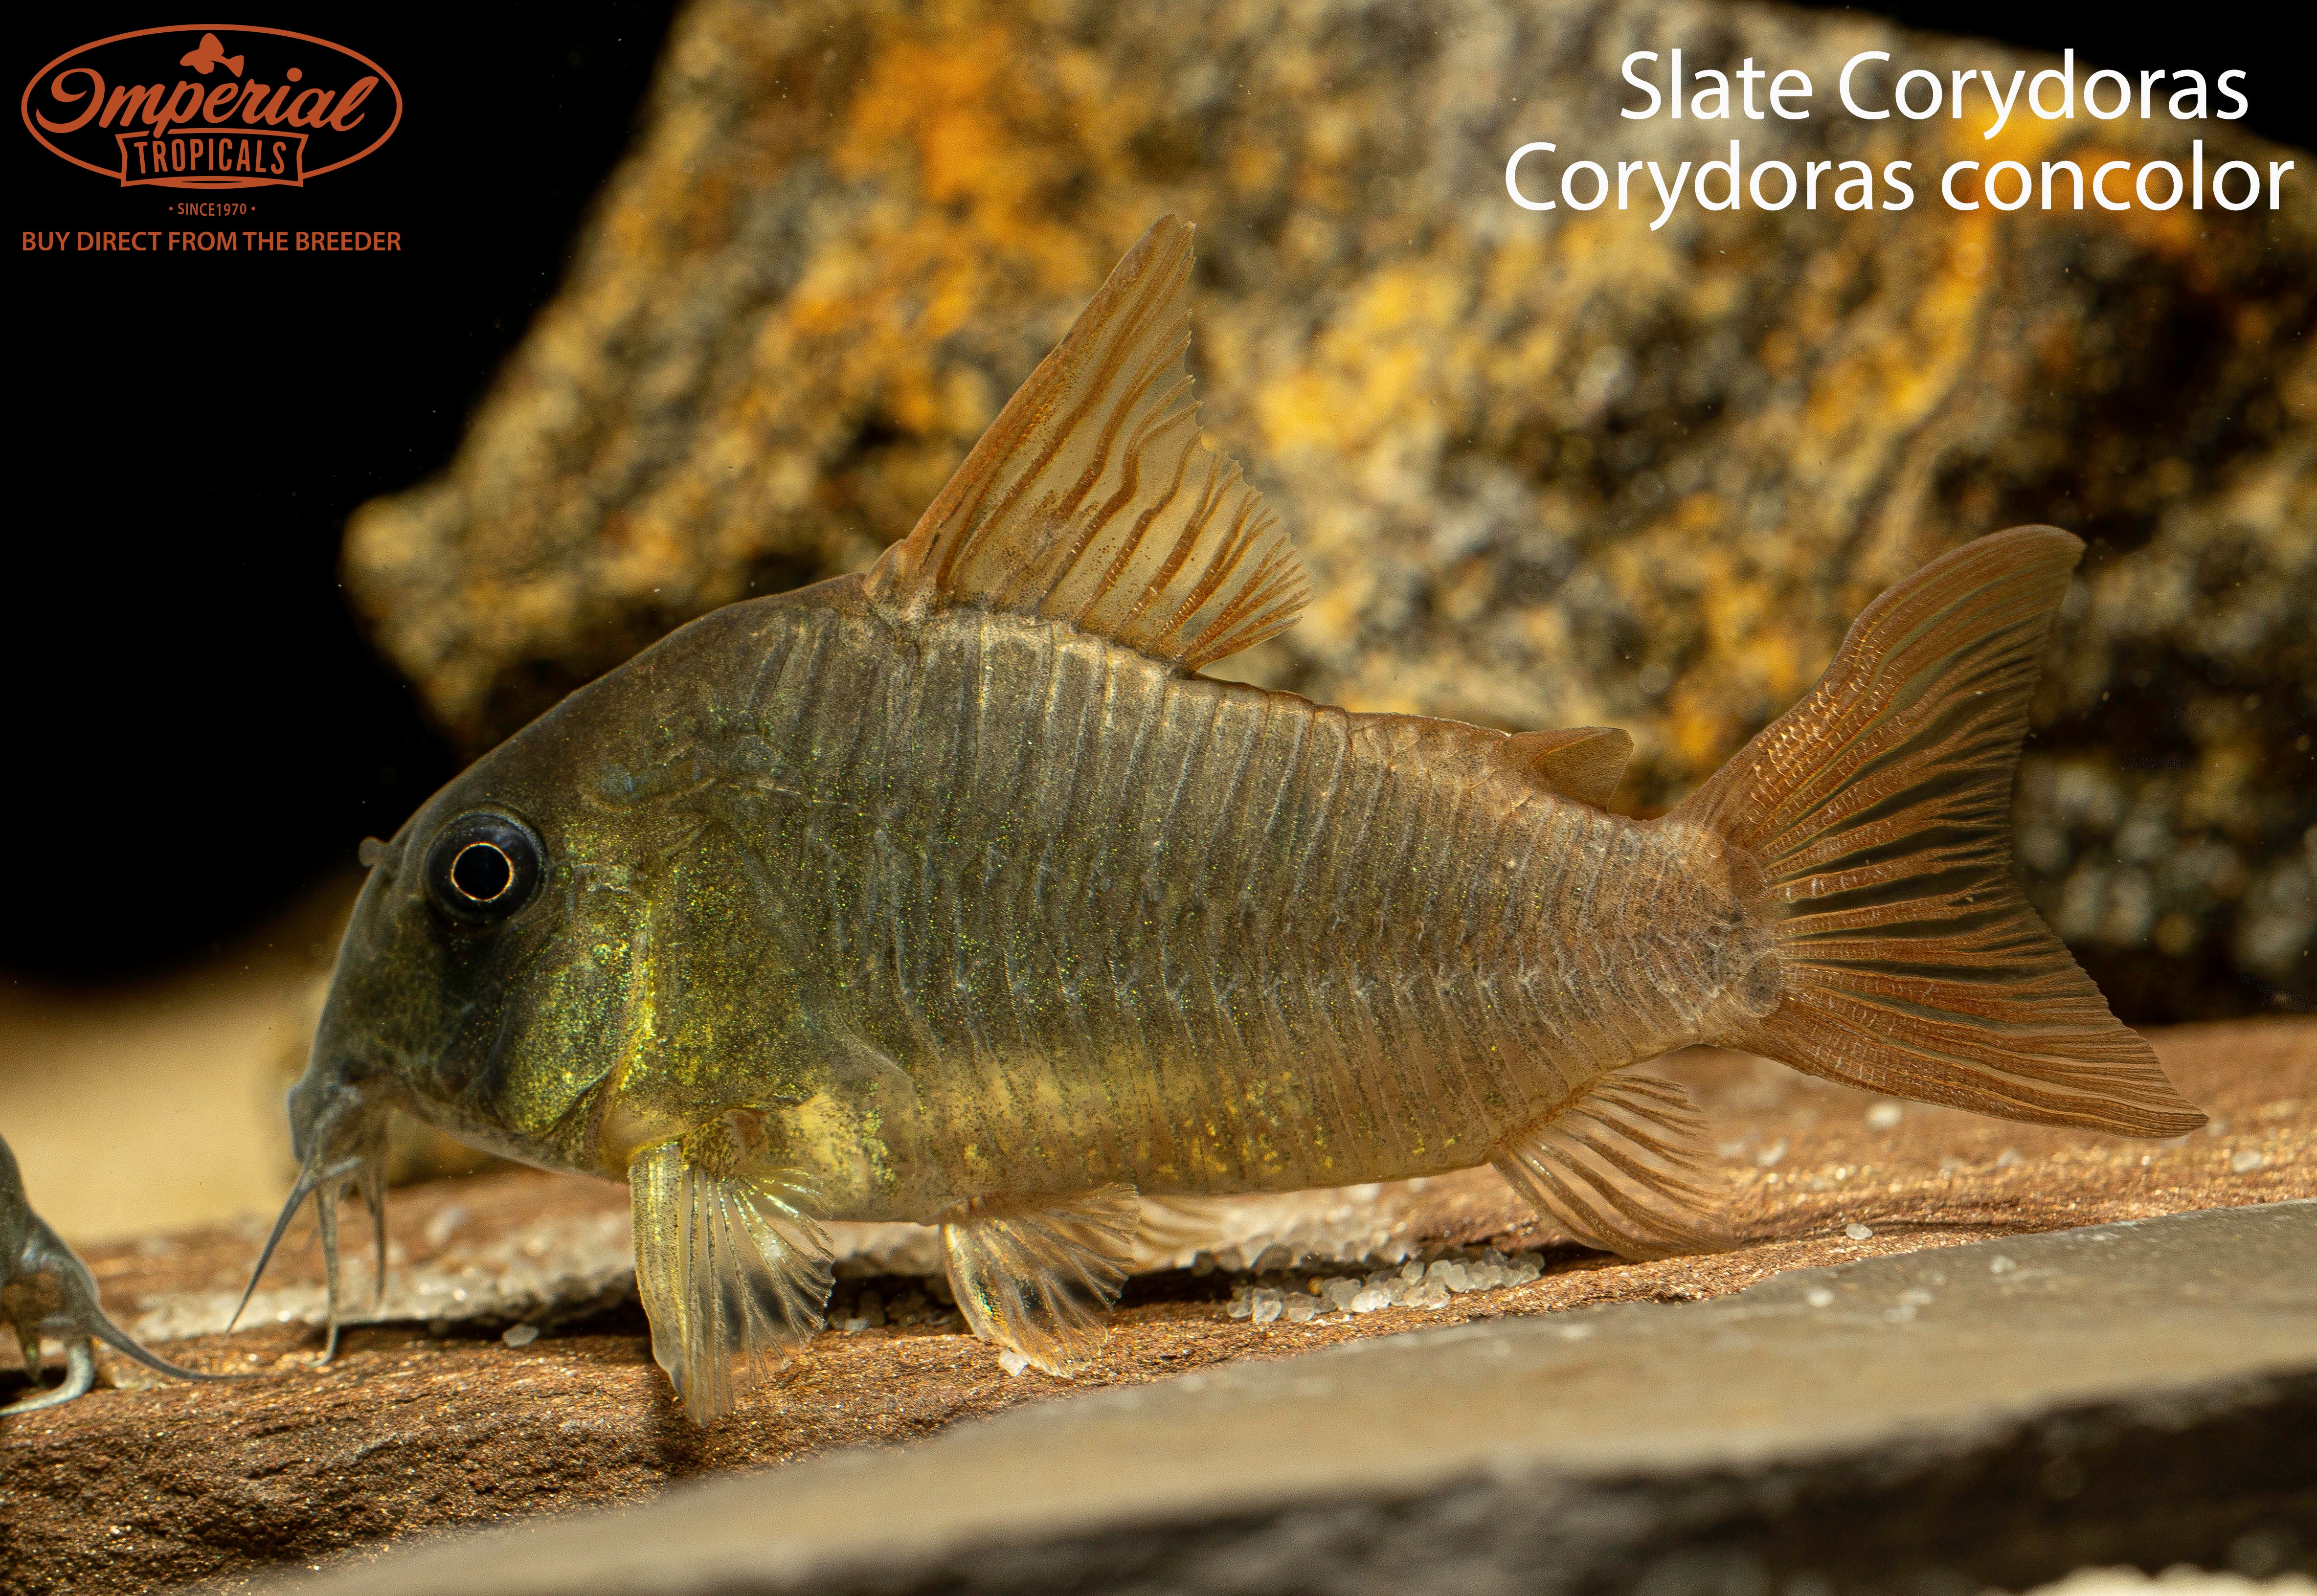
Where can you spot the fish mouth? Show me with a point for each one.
(338, 1132)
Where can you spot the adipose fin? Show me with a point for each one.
(1583, 763)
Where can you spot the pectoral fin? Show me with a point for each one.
(731, 1262)
(1622, 1167)
(1037, 1275)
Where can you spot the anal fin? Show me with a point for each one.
(731, 1262)
(1037, 1274)
(1622, 1167)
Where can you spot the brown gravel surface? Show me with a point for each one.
(144, 1484)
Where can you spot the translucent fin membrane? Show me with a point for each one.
(1091, 499)
(1040, 1279)
(1584, 762)
(1169, 1227)
(733, 1270)
(1622, 1167)
(1878, 809)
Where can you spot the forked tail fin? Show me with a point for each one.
(1878, 810)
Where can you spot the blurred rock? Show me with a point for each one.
(1549, 469)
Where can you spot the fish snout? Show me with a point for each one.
(333, 1117)
(337, 1130)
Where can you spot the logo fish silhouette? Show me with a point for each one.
(209, 54)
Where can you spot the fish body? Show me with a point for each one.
(1119, 925)
(954, 892)
(45, 1290)
(1053, 916)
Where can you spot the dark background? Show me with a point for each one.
(198, 731)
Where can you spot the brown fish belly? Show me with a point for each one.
(1118, 923)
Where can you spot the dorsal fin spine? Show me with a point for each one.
(1135, 545)
(1061, 512)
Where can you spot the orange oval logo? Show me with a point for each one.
(212, 107)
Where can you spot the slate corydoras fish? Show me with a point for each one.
(954, 893)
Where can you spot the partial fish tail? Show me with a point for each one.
(1878, 811)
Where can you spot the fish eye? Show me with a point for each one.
(483, 867)
(482, 873)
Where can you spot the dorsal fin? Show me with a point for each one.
(1582, 762)
(1091, 499)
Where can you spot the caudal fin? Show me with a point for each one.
(1878, 810)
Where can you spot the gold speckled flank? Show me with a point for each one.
(1188, 935)
(953, 892)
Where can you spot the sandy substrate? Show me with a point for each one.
(422, 1425)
